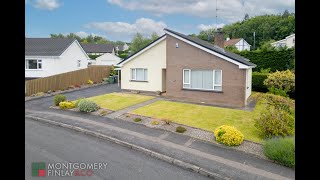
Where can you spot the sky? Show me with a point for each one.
(122, 19)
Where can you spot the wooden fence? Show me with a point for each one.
(62, 81)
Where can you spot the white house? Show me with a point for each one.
(122, 47)
(239, 43)
(289, 41)
(107, 59)
(49, 56)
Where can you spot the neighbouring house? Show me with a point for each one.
(49, 56)
(98, 49)
(239, 43)
(122, 47)
(189, 68)
(107, 59)
(289, 41)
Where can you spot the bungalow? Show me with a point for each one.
(189, 68)
(98, 49)
(49, 56)
(239, 43)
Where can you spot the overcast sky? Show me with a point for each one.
(121, 19)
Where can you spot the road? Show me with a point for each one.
(47, 143)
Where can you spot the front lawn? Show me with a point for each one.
(204, 117)
(116, 101)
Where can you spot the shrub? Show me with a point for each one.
(87, 105)
(274, 121)
(89, 82)
(278, 91)
(281, 150)
(137, 119)
(284, 80)
(66, 105)
(154, 122)
(274, 59)
(59, 98)
(228, 135)
(77, 101)
(257, 82)
(180, 129)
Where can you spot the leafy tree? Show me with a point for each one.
(57, 35)
(140, 42)
(267, 45)
(72, 35)
(207, 35)
(246, 17)
(232, 48)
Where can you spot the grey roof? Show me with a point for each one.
(97, 48)
(214, 48)
(120, 47)
(46, 46)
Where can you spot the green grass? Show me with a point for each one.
(205, 117)
(281, 150)
(117, 101)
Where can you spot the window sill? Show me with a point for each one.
(204, 90)
(137, 81)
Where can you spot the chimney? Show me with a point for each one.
(219, 38)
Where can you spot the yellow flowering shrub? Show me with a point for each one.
(228, 135)
(90, 82)
(66, 105)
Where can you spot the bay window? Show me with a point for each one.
(139, 74)
(202, 79)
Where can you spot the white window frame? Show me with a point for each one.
(213, 83)
(39, 62)
(135, 74)
(78, 63)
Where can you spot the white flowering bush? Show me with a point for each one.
(86, 105)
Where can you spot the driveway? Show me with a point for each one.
(44, 103)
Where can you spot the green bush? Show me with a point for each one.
(59, 98)
(123, 56)
(274, 59)
(137, 119)
(257, 82)
(278, 91)
(93, 56)
(277, 116)
(180, 129)
(154, 122)
(284, 80)
(281, 150)
(228, 135)
(77, 101)
(66, 105)
(87, 105)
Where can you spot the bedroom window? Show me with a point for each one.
(33, 64)
(202, 79)
(139, 74)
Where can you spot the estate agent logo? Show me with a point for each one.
(38, 169)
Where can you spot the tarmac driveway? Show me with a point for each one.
(44, 103)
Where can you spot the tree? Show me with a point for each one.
(232, 48)
(72, 35)
(266, 27)
(140, 42)
(207, 35)
(285, 14)
(266, 45)
(57, 35)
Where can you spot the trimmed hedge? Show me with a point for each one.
(93, 56)
(257, 82)
(275, 59)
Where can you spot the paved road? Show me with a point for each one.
(48, 143)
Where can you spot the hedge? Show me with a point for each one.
(91, 56)
(257, 82)
(275, 59)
